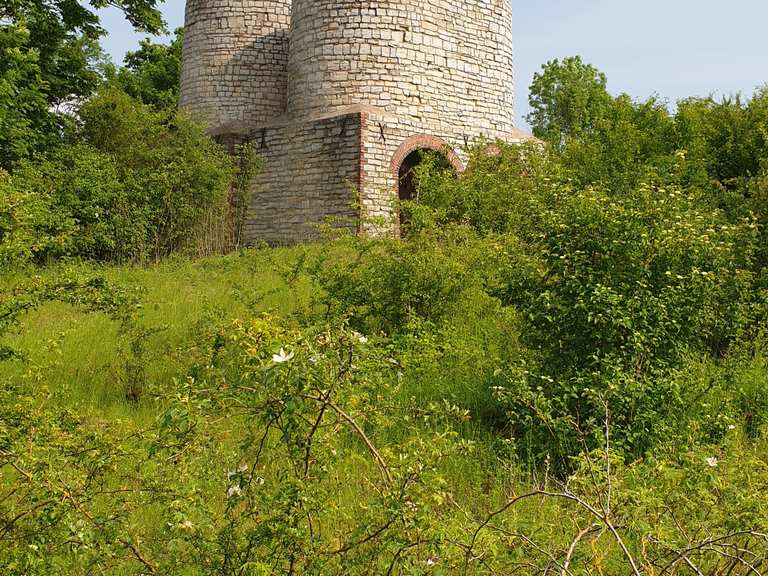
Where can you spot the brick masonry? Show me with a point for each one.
(336, 93)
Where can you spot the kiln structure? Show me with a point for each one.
(339, 97)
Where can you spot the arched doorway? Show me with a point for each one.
(407, 173)
(411, 154)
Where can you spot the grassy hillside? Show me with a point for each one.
(225, 417)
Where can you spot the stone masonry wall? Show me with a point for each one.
(336, 93)
(438, 62)
(309, 174)
(235, 55)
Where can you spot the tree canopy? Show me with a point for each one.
(567, 99)
(50, 58)
(152, 73)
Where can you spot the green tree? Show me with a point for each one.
(51, 59)
(613, 142)
(20, 98)
(138, 183)
(567, 99)
(630, 140)
(166, 162)
(152, 73)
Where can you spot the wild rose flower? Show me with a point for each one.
(282, 357)
(186, 525)
(361, 338)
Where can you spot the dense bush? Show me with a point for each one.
(29, 226)
(386, 285)
(167, 162)
(499, 190)
(630, 285)
(138, 186)
(81, 185)
(638, 255)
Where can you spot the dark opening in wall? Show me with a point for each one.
(409, 171)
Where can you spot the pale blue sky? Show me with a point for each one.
(672, 48)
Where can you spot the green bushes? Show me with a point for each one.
(170, 168)
(139, 186)
(82, 186)
(629, 285)
(639, 244)
(29, 226)
(498, 191)
(283, 448)
(635, 277)
(614, 288)
(388, 284)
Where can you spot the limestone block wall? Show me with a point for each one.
(443, 62)
(336, 93)
(309, 174)
(235, 57)
(313, 169)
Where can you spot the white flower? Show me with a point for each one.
(234, 490)
(186, 525)
(731, 427)
(712, 462)
(362, 339)
(232, 473)
(282, 357)
(431, 562)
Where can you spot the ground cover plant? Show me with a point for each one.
(561, 368)
(187, 418)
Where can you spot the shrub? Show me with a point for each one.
(614, 291)
(30, 228)
(630, 283)
(83, 185)
(139, 186)
(500, 189)
(383, 286)
(166, 163)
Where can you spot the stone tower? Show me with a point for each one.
(341, 95)
(235, 70)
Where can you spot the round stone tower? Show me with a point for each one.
(347, 95)
(235, 62)
(446, 63)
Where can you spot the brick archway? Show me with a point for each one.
(420, 142)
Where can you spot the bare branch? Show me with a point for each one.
(139, 556)
(359, 431)
(568, 557)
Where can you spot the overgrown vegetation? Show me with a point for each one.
(560, 369)
(135, 188)
(97, 161)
